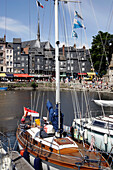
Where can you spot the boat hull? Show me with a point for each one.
(53, 160)
(102, 138)
(3, 88)
(45, 164)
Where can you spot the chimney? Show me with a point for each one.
(63, 49)
(4, 38)
(75, 46)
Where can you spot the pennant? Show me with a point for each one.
(77, 24)
(39, 4)
(74, 34)
(77, 15)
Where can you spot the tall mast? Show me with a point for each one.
(57, 62)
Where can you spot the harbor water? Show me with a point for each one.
(12, 104)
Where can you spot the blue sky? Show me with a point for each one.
(18, 19)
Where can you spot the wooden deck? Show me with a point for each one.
(67, 157)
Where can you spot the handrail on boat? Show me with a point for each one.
(35, 148)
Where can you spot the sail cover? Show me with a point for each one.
(105, 103)
(53, 116)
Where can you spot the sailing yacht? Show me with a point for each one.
(99, 129)
(47, 147)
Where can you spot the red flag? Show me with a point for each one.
(39, 4)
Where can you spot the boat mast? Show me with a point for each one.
(57, 62)
(57, 58)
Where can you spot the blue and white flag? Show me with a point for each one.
(74, 34)
(77, 15)
(77, 24)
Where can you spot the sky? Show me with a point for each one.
(19, 18)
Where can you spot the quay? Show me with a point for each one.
(19, 162)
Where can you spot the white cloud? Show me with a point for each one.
(15, 27)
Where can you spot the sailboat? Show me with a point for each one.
(99, 129)
(48, 147)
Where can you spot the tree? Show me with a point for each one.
(100, 52)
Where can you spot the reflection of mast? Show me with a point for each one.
(38, 31)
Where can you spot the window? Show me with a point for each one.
(38, 59)
(7, 57)
(18, 58)
(10, 51)
(11, 63)
(38, 67)
(83, 64)
(8, 69)
(10, 56)
(1, 68)
(68, 68)
(61, 63)
(83, 69)
(18, 53)
(68, 61)
(71, 68)
(82, 58)
(72, 62)
(71, 55)
(23, 64)
(22, 58)
(1, 47)
(99, 124)
(7, 51)
(7, 63)
(18, 65)
(18, 47)
(14, 65)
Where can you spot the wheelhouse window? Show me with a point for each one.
(99, 124)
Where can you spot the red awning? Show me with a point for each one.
(22, 75)
(82, 74)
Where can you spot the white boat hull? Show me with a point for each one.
(103, 138)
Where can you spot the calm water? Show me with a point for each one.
(12, 103)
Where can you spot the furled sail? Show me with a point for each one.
(106, 103)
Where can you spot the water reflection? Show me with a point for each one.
(13, 102)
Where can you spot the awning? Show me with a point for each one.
(9, 75)
(82, 74)
(2, 75)
(22, 75)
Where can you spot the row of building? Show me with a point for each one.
(35, 57)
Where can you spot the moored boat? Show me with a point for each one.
(3, 88)
(48, 146)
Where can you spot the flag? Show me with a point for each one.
(77, 15)
(39, 4)
(29, 112)
(77, 24)
(74, 34)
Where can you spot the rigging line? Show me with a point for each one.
(51, 21)
(100, 37)
(37, 101)
(31, 99)
(72, 95)
(5, 15)
(42, 105)
(42, 25)
(64, 24)
(86, 37)
(110, 17)
(29, 21)
(34, 100)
